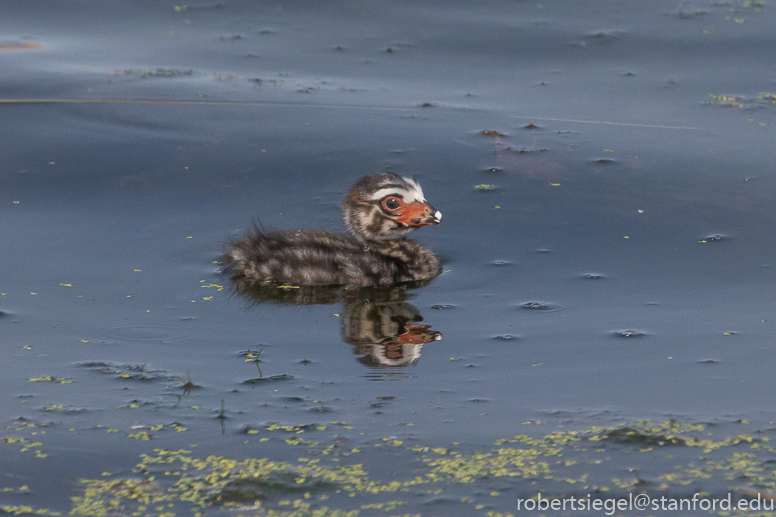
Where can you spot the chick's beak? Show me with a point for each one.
(417, 215)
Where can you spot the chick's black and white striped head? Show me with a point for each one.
(386, 206)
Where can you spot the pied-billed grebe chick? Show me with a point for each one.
(378, 211)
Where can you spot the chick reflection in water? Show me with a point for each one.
(386, 333)
(369, 268)
(378, 322)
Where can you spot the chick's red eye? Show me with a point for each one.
(391, 204)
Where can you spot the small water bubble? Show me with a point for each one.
(505, 337)
(146, 333)
(628, 333)
(717, 237)
(540, 307)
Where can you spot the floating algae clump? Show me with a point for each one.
(326, 483)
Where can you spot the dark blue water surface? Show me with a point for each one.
(607, 241)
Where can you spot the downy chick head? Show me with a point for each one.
(386, 206)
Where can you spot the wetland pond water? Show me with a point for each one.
(604, 324)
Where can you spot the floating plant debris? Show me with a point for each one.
(272, 378)
(485, 187)
(639, 437)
